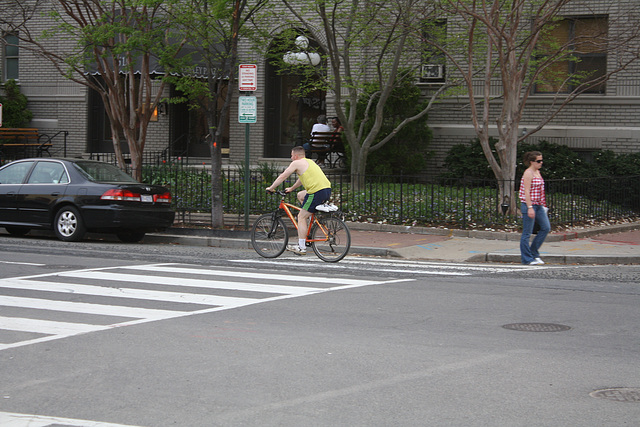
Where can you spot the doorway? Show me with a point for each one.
(288, 117)
(189, 129)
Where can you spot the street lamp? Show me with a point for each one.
(301, 57)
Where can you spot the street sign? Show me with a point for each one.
(247, 109)
(248, 77)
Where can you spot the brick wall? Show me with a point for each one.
(611, 121)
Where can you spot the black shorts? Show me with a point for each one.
(312, 200)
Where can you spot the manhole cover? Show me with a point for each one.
(618, 394)
(536, 327)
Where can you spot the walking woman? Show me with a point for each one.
(534, 209)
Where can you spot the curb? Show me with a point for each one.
(494, 235)
(552, 259)
(229, 239)
(234, 243)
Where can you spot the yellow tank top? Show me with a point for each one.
(313, 179)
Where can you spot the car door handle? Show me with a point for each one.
(55, 194)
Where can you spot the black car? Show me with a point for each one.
(75, 196)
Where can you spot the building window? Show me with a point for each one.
(586, 59)
(11, 57)
(432, 67)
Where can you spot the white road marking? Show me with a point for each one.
(22, 263)
(401, 267)
(9, 419)
(122, 292)
(195, 283)
(81, 307)
(169, 268)
(48, 327)
(109, 293)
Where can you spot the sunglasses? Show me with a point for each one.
(539, 161)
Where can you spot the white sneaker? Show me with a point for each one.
(540, 261)
(296, 250)
(326, 207)
(536, 262)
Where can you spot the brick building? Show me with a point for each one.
(607, 118)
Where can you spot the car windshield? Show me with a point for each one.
(103, 172)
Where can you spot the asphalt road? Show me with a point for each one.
(298, 342)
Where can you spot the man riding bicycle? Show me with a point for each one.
(317, 190)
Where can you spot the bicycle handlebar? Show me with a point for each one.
(278, 192)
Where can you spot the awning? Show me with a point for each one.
(199, 67)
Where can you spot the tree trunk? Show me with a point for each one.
(217, 211)
(358, 166)
(507, 172)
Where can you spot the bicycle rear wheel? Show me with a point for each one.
(335, 239)
(269, 236)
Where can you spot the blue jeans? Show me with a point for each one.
(529, 252)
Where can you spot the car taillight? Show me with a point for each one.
(162, 198)
(125, 195)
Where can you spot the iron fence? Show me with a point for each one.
(410, 200)
(149, 158)
(404, 199)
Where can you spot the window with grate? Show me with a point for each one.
(432, 67)
(581, 46)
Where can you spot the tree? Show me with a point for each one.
(399, 155)
(15, 113)
(364, 43)
(514, 48)
(110, 47)
(213, 28)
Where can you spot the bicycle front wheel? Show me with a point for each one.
(333, 239)
(269, 236)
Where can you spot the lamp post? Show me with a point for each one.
(301, 57)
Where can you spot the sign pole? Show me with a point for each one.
(247, 172)
(247, 113)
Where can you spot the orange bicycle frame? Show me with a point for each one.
(286, 208)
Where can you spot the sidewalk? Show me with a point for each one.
(616, 244)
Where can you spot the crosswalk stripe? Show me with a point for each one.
(81, 307)
(246, 274)
(405, 266)
(9, 419)
(372, 268)
(111, 282)
(196, 283)
(46, 326)
(128, 293)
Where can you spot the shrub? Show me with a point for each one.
(608, 163)
(560, 162)
(468, 160)
(268, 171)
(14, 107)
(406, 152)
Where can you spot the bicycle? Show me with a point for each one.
(328, 235)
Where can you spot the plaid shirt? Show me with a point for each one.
(536, 192)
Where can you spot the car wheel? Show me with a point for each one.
(17, 231)
(68, 225)
(130, 236)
